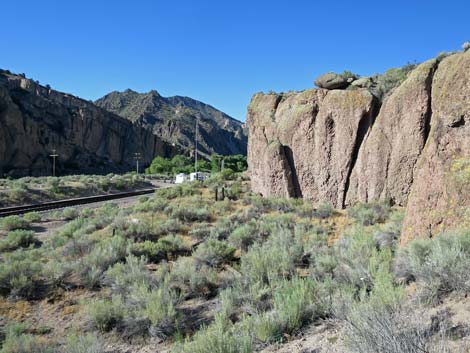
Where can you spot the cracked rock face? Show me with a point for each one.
(35, 119)
(342, 147)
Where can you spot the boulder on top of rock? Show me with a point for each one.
(363, 82)
(333, 80)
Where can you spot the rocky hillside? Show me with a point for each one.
(35, 119)
(345, 143)
(174, 119)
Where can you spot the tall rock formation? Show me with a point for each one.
(344, 146)
(440, 194)
(35, 119)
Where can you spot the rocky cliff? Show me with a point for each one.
(174, 119)
(35, 119)
(353, 145)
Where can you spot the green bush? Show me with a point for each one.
(88, 343)
(14, 222)
(91, 268)
(105, 314)
(190, 213)
(149, 249)
(244, 236)
(439, 266)
(20, 274)
(171, 244)
(70, 213)
(201, 231)
(18, 238)
(32, 217)
(214, 253)
(18, 341)
(220, 337)
(121, 276)
(369, 213)
(192, 278)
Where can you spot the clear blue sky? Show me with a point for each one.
(220, 52)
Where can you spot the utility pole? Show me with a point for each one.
(54, 155)
(195, 144)
(137, 157)
(222, 164)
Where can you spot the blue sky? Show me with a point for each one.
(220, 52)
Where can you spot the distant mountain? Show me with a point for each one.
(35, 120)
(174, 119)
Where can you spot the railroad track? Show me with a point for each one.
(17, 210)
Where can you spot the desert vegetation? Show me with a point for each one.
(186, 273)
(39, 189)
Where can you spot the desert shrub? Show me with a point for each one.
(134, 228)
(170, 226)
(32, 217)
(193, 278)
(369, 213)
(18, 238)
(324, 210)
(151, 205)
(70, 213)
(188, 189)
(391, 326)
(388, 235)
(439, 266)
(272, 260)
(88, 343)
(171, 244)
(20, 274)
(293, 302)
(106, 253)
(201, 231)
(157, 306)
(14, 222)
(17, 340)
(121, 276)
(214, 252)
(220, 337)
(149, 249)
(190, 213)
(105, 314)
(244, 236)
(358, 259)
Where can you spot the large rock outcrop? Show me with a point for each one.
(344, 146)
(386, 162)
(440, 195)
(317, 134)
(35, 119)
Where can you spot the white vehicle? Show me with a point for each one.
(181, 178)
(198, 176)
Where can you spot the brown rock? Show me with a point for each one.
(440, 196)
(34, 120)
(386, 163)
(319, 133)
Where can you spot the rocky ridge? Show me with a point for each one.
(174, 119)
(36, 119)
(351, 145)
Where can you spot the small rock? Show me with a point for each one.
(363, 82)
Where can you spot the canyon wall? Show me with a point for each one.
(348, 146)
(35, 119)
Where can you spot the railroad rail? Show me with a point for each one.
(17, 210)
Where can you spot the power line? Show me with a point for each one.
(137, 157)
(54, 155)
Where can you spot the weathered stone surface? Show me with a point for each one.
(35, 119)
(320, 132)
(337, 146)
(386, 162)
(440, 195)
(331, 80)
(363, 82)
